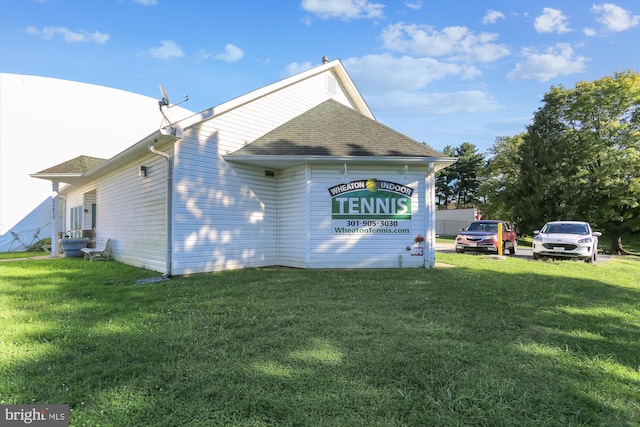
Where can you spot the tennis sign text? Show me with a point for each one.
(371, 206)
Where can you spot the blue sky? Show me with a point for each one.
(440, 72)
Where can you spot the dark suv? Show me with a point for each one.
(482, 236)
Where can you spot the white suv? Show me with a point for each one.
(566, 239)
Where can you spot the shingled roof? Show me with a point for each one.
(78, 165)
(333, 129)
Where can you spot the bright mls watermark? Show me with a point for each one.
(34, 415)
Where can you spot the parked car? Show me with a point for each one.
(566, 239)
(482, 236)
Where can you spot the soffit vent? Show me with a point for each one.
(331, 85)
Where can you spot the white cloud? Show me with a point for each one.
(558, 60)
(414, 4)
(146, 2)
(551, 21)
(426, 103)
(69, 36)
(343, 9)
(453, 42)
(589, 32)
(203, 54)
(231, 53)
(381, 73)
(168, 49)
(615, 18)
(492, 17)
(397, 85)
(295, 68)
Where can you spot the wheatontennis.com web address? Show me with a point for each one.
(371, 230)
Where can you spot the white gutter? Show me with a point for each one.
(131, 153)
(167, 203)
(281, 161)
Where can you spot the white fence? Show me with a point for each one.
(450, 221)
(445, 227)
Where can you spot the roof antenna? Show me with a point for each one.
(164, 102)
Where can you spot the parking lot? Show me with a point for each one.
(523, 252)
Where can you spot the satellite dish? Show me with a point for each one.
(165, 97)
(164, 102)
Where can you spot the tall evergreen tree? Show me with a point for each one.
(445, 178)
(468, 170)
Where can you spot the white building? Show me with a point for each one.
(297, 173)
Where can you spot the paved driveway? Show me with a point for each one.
(523, 252)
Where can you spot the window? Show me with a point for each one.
(76, 222)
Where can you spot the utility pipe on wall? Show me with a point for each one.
(430, 197)
(167, 203)
(54, 219)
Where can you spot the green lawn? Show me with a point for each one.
(12, 255)
(487, 343)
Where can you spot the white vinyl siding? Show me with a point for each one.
(224, 219)
(226, 215)
(331, 250)
(131, 211)
(293, 224)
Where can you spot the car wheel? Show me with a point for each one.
(536, 256)
(459, 251)
(514, 248)
(591, 259)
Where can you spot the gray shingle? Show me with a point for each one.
(80, 164)
(333, 129)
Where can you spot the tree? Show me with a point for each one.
(500, 174)
(580, 158)
(468, 170)
(458, 183)
(444, 180)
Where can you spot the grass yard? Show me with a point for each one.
(13, 255)
(488, 343)
(630, 242)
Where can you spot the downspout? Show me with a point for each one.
(430, 197)
(54, 219)
(168, 203)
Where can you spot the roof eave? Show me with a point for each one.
(352, 90)
(69, 178)
(283, 162)
(159, 137)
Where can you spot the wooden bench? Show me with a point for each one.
(101, 251)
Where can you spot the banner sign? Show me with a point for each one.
(371, 206)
